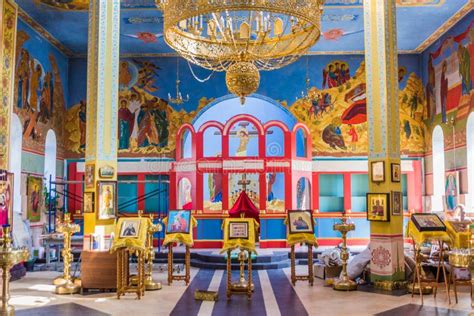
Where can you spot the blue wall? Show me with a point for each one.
(284, 84)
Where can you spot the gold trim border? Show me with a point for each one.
(458, 16)
(43, 32)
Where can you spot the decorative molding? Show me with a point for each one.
(468, 7)
(243, 165)
(185, 166)
(302, 165)
(43, 32)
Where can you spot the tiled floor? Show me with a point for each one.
(274, 295)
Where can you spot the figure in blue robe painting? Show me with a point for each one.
(300, 224)
(126, 120)
(451, 192)
(216, 187)
(270, 182)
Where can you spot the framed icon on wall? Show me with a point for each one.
(106, 200)
(377, 171)
(378, 207)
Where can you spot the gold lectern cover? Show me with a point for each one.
(424, 236)
(131, 232)
(297, 238)
(186, 239)
(459, 233)
(236, 239)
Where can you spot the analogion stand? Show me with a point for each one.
(187, 266)
(310, 276)
(127, 245)
(186, 239)
(239, 233)
(420, 236)
(301, 236)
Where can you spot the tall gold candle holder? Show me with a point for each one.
(344, 283)
(243, 286)
(151, 285)
(8, 258)
(65, 284)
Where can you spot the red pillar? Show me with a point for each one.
(347, 191)
(263, 190)
(414, 187)
(141, 190)
(315, 189)
(173, 190)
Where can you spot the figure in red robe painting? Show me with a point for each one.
(354, 137)
(444, 90)
(126, 121)
(5, 202)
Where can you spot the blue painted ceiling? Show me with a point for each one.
(141, 24)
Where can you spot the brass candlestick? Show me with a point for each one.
(242, 284)
(65, 284)
(344, 283)
(8, 258)
(151, 285)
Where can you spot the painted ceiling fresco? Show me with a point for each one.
(142, 25)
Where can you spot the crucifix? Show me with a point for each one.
(244, 182)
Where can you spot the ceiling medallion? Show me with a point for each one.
(237, 35)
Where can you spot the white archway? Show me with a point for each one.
(50, 158)
(470, 161)
(438, 169)
(16, 140)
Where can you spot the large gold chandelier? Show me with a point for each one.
(241, 37)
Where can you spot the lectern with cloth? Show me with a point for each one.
(239, 233)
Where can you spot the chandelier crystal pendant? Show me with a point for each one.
(241, 37)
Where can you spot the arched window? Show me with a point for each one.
(275, 142)
(438, 169)
(186, 144)
(301, 143)
(470, 161)
(243, 140)
(16, 131)
(212, 142)
(303, 194)
(50, 158)
(184, 194)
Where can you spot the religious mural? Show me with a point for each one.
(147, 124)
(212, 190)
(337, 114)
(248, 182)
(39, 98)
(449, 81)
(275, 192)
(243, 140)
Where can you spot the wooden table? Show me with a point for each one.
(99, 270)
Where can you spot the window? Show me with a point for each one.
(212, 142)
(50, 158)
(301, 144)
(275, 142)
(186, 144)
(16, 132)
(438, 169)
(470, 162)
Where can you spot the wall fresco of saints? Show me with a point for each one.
(337, 114)
(39, 98)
